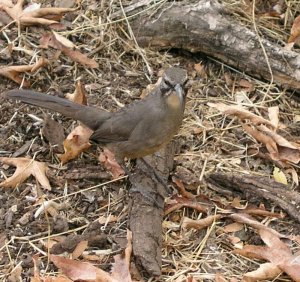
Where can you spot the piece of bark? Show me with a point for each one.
(254, 188)
(89, 172)
(207, 27)
(146, 214)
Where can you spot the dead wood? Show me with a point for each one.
(254, 188)
(146, 214)
(207, 27)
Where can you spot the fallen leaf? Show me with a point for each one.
(247, 219)
(84, 271)
(79, 249)
(233, 227)
(14, 72)
(279, 148)
(58, 42)
(107, 159)
(15, 275)
(120, 268)
(277, 253)
(76, 143)
(77, 270)
(295, 33)
(34, 15)
(236, 203)
(177, 202)
(63, 40)
(279, 176)
(236, 241)
(79, 95)
(262, 138)
(200, 223)
(240, 113)
(274, 116)
(181, 189)
(264, 272)
(200, 70)
(25, 168)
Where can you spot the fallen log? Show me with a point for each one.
(207, 27)
(255, 188)
(147, 203)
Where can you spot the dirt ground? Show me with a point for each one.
(208, 141)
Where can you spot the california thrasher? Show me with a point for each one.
(136, 130)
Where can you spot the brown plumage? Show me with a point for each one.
(137, 130)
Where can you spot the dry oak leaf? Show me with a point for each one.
(76, 143)
(277, 253)
(14, 72)
(61, 43)
(84, 271)
(33, 16)
(25, 168)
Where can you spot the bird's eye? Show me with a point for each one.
(164, 87)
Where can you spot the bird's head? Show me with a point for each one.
(173, 86)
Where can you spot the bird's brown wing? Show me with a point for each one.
(122, 123)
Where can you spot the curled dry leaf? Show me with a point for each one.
(262, 138)
(286, 151)
(76, 143)
(79, 95)
(25, 168)
(14, 72)
(177, 202)
(62, 44)
(279, 148)
(241, 113)
(188, 223)
(181, 189)
(35, 16)
(246, 219)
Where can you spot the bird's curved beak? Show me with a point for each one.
(180, 92)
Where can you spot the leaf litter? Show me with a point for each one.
(216, 145)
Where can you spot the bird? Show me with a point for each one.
(138, 129)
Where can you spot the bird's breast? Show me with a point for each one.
(174, 102)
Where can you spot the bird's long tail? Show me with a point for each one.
(90, 116)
